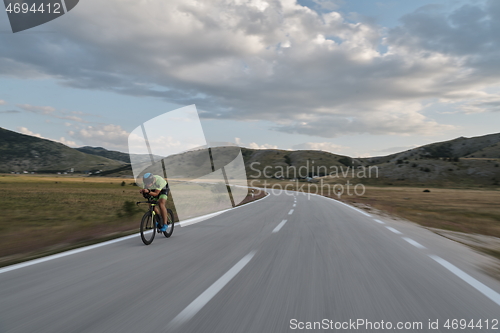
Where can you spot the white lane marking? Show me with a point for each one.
(91, 247)
(290, 212)
(378, 221)
(294, 205)
(414, 243)
(63, 254)
(485, 290)
(208, 294)
(198, 219)
(278, 227)
(394, 230)
(340, 202)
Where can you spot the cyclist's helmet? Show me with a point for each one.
(147, 178)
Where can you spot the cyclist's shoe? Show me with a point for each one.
(163, 228)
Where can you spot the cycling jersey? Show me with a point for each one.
(159, 184)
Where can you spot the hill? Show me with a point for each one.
(103, 152)
(19, 152)
(473, 161)
(484, 146)
(461, 161)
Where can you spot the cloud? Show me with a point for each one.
(2, 102)
(26, 131)
(66, 142)
(254, 145)
(396, 149)
(112, 136)
(52, 112)
(307, 72)
(393, 119)
(10, 111)
(324, 146)
(62, 140)
(45, 110)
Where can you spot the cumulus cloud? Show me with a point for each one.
(66, 142)
(325, 146)
(308, 72)
(62, 140)
(2, 102)
(26, 131)
(254, 145)
(112, 136)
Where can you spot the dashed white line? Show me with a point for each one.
(485, 290)
(279, 226)
(294, 205)
(394, 230)
(378, 221)
(290, 212)
(208, 294)
(414, 243)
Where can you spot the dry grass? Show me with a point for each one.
(469, 211)
(46, 214)
(52, 212)
(464, 210)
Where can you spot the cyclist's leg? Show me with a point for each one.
(162, 201)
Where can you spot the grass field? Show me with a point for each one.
(47, 214)
(469, 211)
(456, 209)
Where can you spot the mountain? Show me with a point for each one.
(465, 161)
(460, 161)
(19, 152)
(487, 146)
(103, 152)
(116, 155)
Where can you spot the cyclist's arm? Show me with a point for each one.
(154, 193)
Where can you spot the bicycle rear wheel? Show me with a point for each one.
(170, 223)
(148, 228)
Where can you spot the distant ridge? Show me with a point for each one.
(462, 160)
(103, 152)
(20, 152)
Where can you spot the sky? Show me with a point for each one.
(359, 77)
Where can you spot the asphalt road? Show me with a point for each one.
(248, 271)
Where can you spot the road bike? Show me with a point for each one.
(151, 223)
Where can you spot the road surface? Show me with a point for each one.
(276, 265)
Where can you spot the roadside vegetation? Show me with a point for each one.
(465, 209)
(42, 215)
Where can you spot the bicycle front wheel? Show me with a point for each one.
(170, 223)
(148, 228)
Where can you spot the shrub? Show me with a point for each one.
(123, 183)
(129, 209)
(346, 161)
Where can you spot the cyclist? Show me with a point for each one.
(157, 187)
